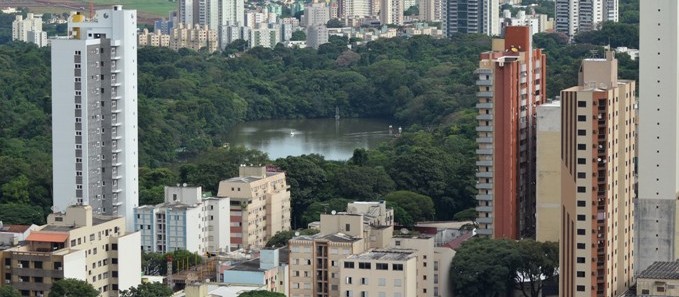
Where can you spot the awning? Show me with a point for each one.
(47, 237)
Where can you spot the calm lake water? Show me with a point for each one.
(334, 139)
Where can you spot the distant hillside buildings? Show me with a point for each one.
(29, 29)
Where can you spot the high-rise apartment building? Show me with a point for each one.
(94, 114)
(29, 29)
(656, 209)
(573, 16)
(316, 36)
(315, 14)
(548, 172)
(511, 82)
(598, 150)
(231, 12)
(74, 244)
(471, 16)
(185, 221)
(391, 12)
(260, 205)
(430, 10)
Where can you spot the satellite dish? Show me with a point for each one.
(333, 212)
(404, 231)
(296, 233)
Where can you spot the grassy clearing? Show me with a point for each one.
(159, 8)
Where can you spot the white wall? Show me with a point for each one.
(129, 261)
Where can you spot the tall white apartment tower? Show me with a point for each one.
(656, 209)
(231, 12)
(573, 16)
(94, 114)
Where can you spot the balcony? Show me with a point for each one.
(486, 163)
(485, 94)
(484, 186)
(485, 105)
(485, 117)
(484, 129)
(484, 82)
(485, 174)
(487, 197)
(484, 140)
(485, 209)
(483, 71)
(482, 231)
(484, 151)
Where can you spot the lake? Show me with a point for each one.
(334, 139)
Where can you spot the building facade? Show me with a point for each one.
(29, 29)
(193, 37)
(656, 209)
(185, 221)
(260, 205)
(382, 272)
(548, 167)
(74, 244)
(94, 114)
(315, 14)
(598, 181)
(573, 16)
(391, 12)
(511, 82)
(471, 16)
(316, 35)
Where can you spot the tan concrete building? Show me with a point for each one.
(598, 178)
(260, 205)
(423, 250)
(157, 39)
(75, 244)
(195, 37)
(382, 272)
(548, 167)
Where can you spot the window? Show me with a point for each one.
(581, 274)
(397, 267)
(348, 294)
(348, 280)
(582, 147)
(364, 294)
(382, 266)
(582, 132)
(582, 118)
(347, 227)
(581, 217)
(398, 243)
(581, 246)
(364, 265)
(581, 260)
(581, 288)
(582, 175)
(582, 189)
(582, 203)
(348, 264)
(582, 161)
(582, 104)
(114, 260)
(114, 246)
(364, 281)
(660, 289)
(37, 264)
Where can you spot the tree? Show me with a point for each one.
(148, 290)
(412, 11)
(334, 23)
(298, 35)
(468, 214)
(7, 291)
(261, 293)
(362, 183)
(488, 267)
(21, 214)
(419, 207)
(69, 287)
(280, 239)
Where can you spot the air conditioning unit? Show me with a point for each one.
(21, 280)
(8, 281)
(20, 266)
(60, 268)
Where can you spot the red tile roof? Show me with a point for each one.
(455, 243)
(47, 237)
(14, 228)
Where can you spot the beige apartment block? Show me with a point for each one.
(382, 272)
(548, 167)
(315, 263)
(74, 244)
(260, 205)
(597, 190)
(195, 37)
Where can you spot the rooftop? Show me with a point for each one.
(661, 270)
(335, 237)
(385, 254)
(249, 179)
(14, 228)
(250, 265)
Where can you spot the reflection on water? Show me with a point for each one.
(334, 139)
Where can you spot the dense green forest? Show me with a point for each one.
(189, 100)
